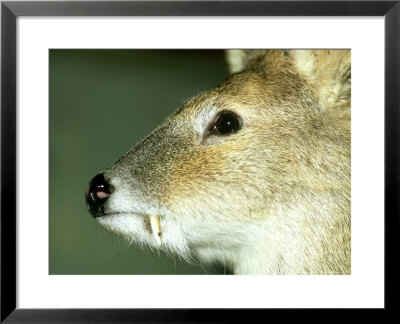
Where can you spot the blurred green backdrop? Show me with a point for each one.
(102, 102)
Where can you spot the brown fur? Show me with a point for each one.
(272, 198)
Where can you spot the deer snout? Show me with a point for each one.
(96, 194)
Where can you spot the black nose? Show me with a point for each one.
(96, 194)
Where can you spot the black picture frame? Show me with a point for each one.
(10, 10)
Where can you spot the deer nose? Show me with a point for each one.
(96, 194)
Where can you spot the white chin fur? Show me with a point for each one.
(141, 230)
(129, 226)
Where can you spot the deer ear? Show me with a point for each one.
(329, 71)
(239, 59)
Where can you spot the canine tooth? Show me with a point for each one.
(155, 226)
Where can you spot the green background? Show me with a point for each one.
(102, 102)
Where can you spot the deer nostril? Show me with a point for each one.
(102, 194)
(96, 195)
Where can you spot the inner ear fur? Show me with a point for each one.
(329, 72)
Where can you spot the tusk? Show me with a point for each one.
(155, 226)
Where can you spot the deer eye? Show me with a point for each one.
(226, 123)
